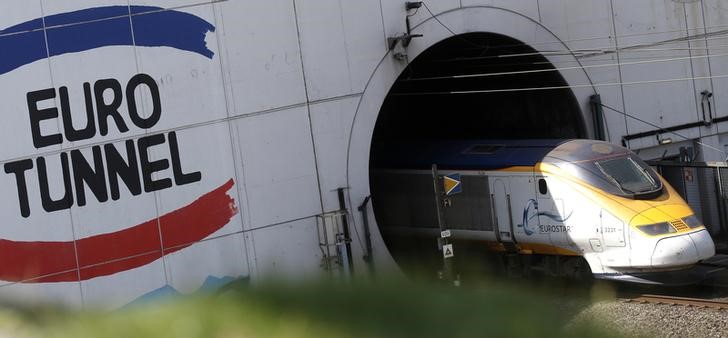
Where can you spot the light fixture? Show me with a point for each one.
(665, 140)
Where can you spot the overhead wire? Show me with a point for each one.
(664, 131)
(684, 30)
(448, 28)
(600, 50)
(556, 62)
(608, 84)
(589, 52)
(545, 70)
(688, 39)
(566, 68)
(704, 28)
(643, 48)
(556, 53)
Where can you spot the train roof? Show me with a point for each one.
(470, 154)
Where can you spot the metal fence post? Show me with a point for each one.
(447, 261)
(721, 206)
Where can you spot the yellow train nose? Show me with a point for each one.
(665, 213)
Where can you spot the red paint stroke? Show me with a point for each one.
(108, 254)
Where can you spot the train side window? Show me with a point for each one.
(542, 187)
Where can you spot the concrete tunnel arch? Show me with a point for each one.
(396, 104)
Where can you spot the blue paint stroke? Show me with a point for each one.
(214, 283)
(92, 28)
(166, 292)
(528, 216)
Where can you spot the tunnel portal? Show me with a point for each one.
(456, 90)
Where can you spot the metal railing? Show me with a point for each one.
(333, 242)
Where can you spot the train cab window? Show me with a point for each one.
(629, 176)
(542, 187)
(612, 169)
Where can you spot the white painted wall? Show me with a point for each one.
(286, 109)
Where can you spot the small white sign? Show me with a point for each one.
(445, 234)
(447, 251)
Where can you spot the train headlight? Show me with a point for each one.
(692, 221)
(657, 228)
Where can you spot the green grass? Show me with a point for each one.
(320, 310)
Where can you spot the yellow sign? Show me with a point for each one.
(453, 184)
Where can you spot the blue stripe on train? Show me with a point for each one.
(456, 154)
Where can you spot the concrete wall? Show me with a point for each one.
(285, 108)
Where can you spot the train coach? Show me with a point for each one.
(571, 206)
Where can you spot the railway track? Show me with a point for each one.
(675, 301)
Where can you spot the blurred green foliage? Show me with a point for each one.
(321, 310)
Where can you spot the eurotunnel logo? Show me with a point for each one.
(104, 168)
(93, 28)
(85, 30)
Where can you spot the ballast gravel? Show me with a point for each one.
(654, 320)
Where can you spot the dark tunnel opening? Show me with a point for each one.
(421, 101)
(439, 97)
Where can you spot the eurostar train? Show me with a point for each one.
(580, 205)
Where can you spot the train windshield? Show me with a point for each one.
(610, 168)
(627, 175)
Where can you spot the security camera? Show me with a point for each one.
(412, 5)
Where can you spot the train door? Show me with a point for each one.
(499, 198)
(552, 216)
(520, 200)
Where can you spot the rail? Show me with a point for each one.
(675, 301)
